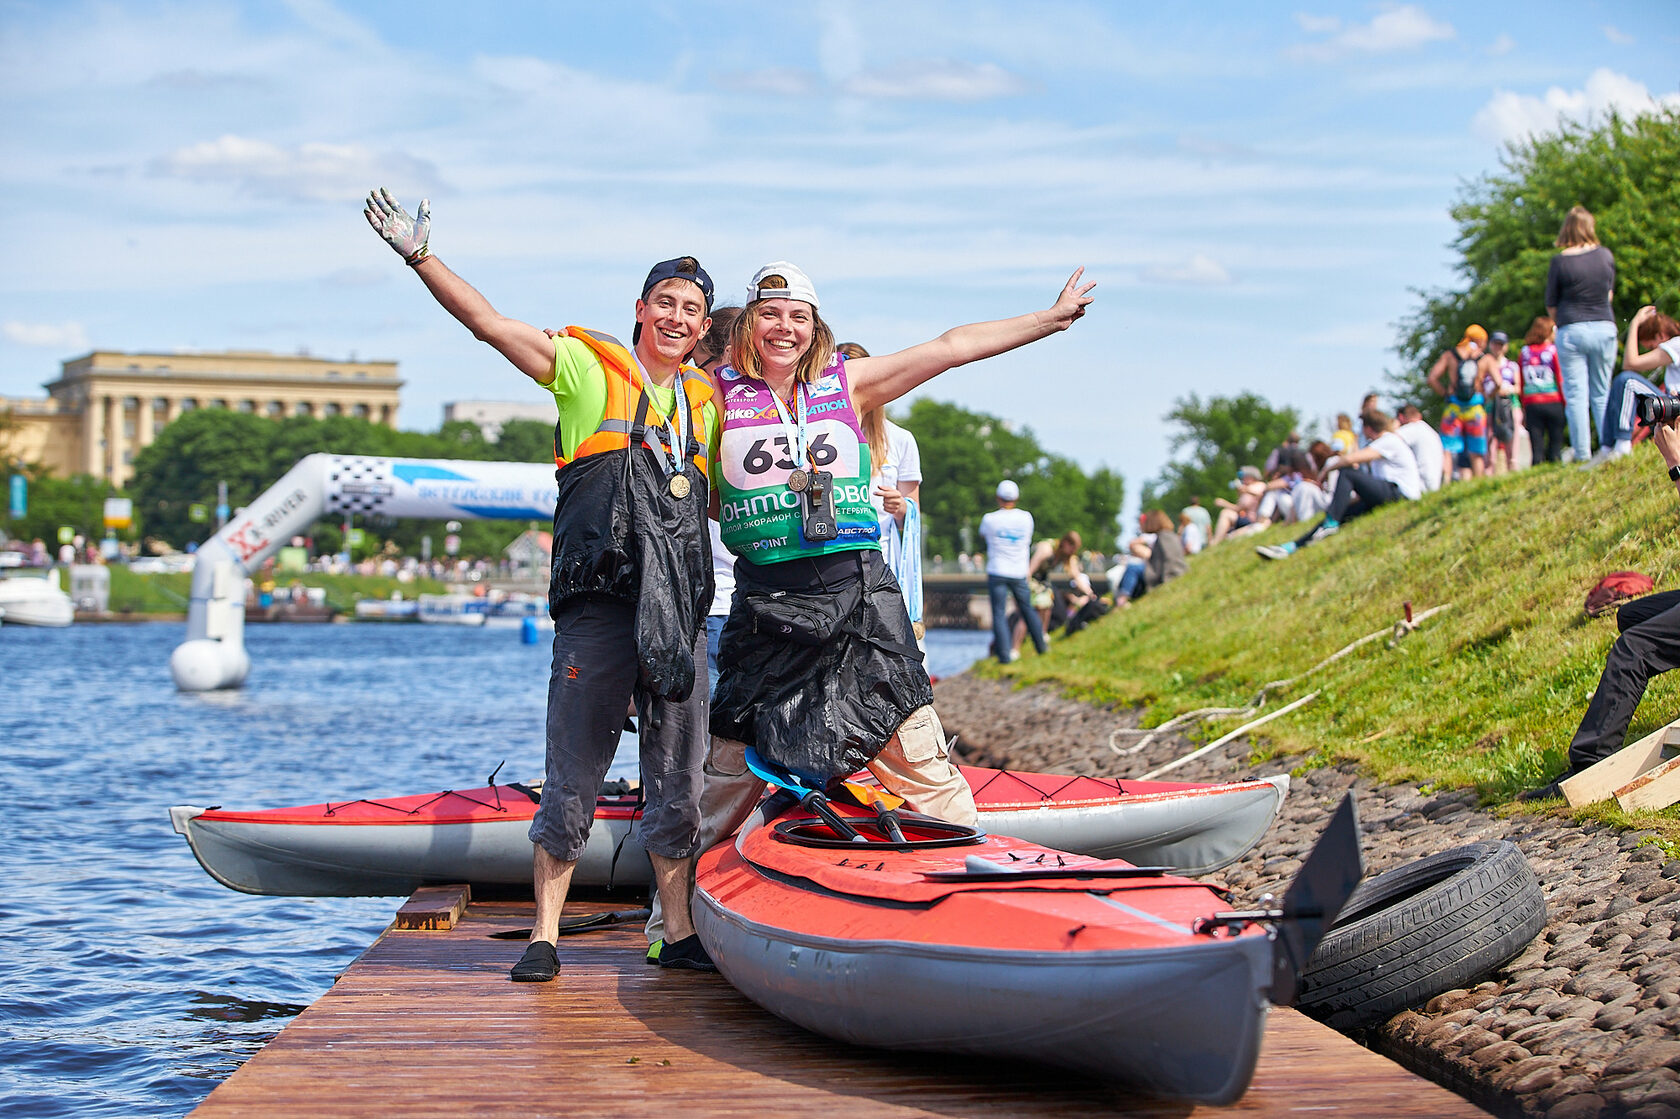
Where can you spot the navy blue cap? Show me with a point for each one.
(677, 270)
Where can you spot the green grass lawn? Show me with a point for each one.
(168, 594)
(1486, 694)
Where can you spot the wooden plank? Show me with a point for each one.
(1655, 788)
(434, 908)
(428, 1023)
(1600, 781)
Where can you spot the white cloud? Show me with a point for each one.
(935, 80)
(54, 336)
(781, 81)
(1397, 27)
(1504, 44)
(1511, 116)
(312, 172)
(1318, 25)
(912, 80)
(1199, 271)
(1618, 36)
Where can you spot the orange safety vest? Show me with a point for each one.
(623, 376)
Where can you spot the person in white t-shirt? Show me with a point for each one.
(1008, 532)
(895, 488)
(1393, 476)
(1426, 447)
(1649, 327)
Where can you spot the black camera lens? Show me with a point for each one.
(1657, 409)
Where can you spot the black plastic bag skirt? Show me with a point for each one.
(822, 709)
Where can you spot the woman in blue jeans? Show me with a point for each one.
(1580, 285)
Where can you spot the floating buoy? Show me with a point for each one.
(528, 631)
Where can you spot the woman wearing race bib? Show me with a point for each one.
(1542, 392)
(818, 665)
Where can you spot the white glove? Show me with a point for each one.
(408, 235)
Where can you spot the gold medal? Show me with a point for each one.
(679, 485)
(798, 481)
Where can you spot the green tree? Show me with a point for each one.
(1622, 170)
(525, 441)
(78, 502)
(964, 456)
(190, 456)
(1220, 435)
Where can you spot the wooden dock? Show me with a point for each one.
(427, 1023)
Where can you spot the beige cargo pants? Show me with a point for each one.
(914, 764)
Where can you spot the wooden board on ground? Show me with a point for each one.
(434, 908)
(1600, 782)
(428, 1023)
(1657, 787)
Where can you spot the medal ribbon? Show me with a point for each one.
(676, 428)
(798, 449)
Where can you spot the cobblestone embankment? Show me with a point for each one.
(1585, 1022)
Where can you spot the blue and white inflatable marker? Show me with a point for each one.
(213, 655)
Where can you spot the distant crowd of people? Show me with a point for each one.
(1499, 412)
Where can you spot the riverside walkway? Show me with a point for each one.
(426, 1022)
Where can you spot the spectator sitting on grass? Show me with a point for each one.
(1243, 512)
(1343, 441)
(1157, 557)
(1393, 476)
(1278, 502)
(1426, 447)
(1311, 498)
(1200, 516)
(1190, 533)
(1648, 328)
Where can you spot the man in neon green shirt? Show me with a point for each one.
(630, 584)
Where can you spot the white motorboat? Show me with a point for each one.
(29, 601)
(454, 609)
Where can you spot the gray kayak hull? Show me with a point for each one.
(1184, 1022)
(1194, 832)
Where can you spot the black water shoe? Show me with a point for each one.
(537, 965)
(688, 954)
(1544, 792)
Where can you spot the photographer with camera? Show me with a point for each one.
(1653, 345)
(1649, 644)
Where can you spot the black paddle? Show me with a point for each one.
(808, 797)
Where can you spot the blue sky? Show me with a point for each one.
(1256, 188)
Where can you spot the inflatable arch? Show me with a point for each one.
(213, 655)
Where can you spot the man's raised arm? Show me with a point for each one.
(531, 351)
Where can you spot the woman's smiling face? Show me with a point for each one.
(782, 334)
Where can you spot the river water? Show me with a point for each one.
(133, 983)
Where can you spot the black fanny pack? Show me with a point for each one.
(805, 619)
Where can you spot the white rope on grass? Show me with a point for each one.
(1395, 632)
(1218, 742)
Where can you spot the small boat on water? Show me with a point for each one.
(453, 609)
(393, 845)
(29, 601)
(1006, 949)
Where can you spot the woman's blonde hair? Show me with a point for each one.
(745, 359)
(1578, 229)
(874, 421)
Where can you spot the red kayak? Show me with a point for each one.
(393, 845)
(989, 946)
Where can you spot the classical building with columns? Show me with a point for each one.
(107, 405)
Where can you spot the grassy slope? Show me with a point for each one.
(1486, 694)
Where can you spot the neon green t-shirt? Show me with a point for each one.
(580, 393)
